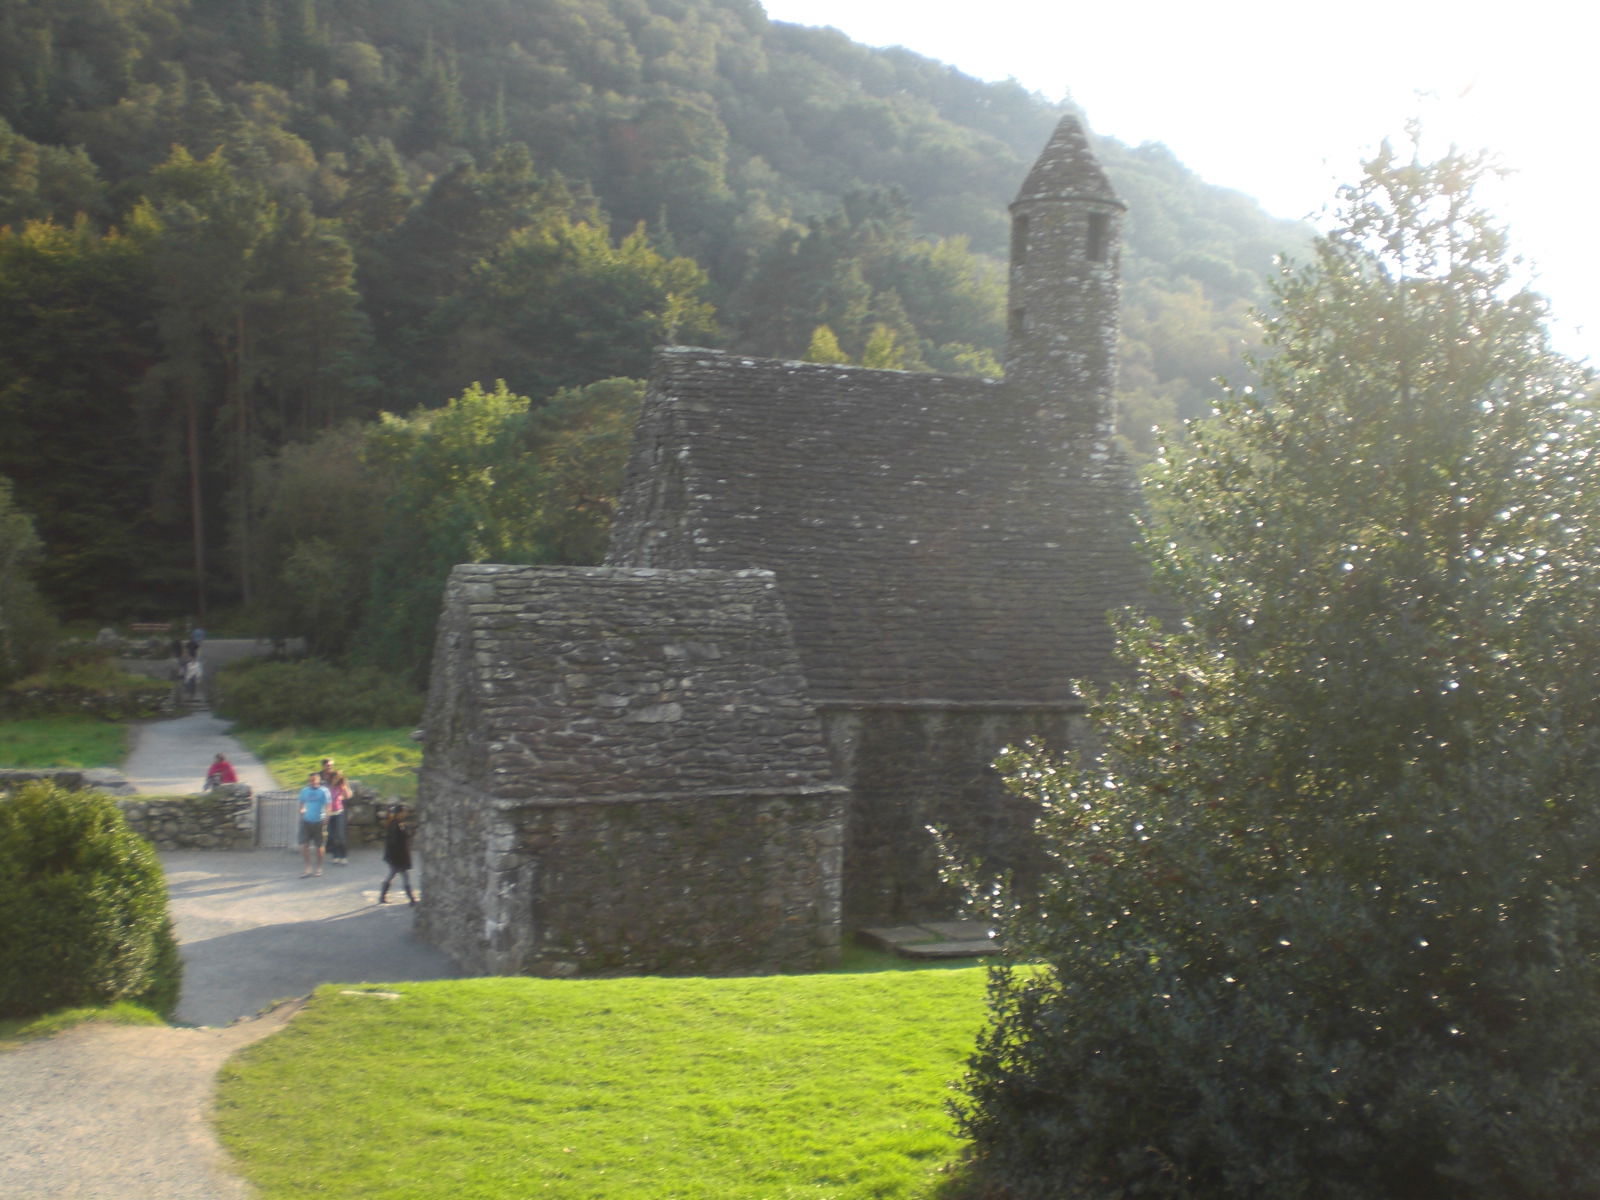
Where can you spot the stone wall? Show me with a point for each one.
(221, 819)
(622, 772)
(688, 885)
(912, 767)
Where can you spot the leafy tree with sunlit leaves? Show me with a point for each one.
(1323, 919)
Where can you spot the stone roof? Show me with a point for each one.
(557, 685)
(1068, 170)
(935, 538)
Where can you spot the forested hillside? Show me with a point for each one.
(236, 231)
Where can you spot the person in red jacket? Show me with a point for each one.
(221, 772)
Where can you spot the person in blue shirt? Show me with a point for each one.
(314, 804)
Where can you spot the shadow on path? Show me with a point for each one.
(252, 931)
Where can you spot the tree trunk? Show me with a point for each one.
(197, 518)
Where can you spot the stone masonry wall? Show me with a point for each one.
(702, 885)
(221, 819)
(621, 772)
(913, 766)
(224, 819)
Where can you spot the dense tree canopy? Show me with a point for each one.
(1323, 918)
(303, 212)
(23, 622)
(357, 529)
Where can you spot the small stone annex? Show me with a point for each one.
(833, 595)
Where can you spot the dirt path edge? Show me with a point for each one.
(121, 1111)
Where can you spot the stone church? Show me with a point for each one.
(833, 594)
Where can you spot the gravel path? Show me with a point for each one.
(119, 1112)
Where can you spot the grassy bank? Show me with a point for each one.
(622, 1089)
(14, 1030)
(383, 758)
(65, 741)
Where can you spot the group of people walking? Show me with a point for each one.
(325, 827)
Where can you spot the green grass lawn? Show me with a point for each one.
(15, 1030)
(386, 759)
(62, 742)
(769, 1088)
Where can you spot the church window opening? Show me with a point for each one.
(1099, 237)
(1019, 322)
(1019, 240)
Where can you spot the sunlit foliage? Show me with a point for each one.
(1324, 920)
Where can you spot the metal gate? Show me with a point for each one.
(277, 820)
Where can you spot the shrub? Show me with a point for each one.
(90, 686)
(261, 694)
(83, 913)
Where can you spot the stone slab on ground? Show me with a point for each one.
(932, 939)
(960, 931)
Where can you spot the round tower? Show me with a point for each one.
(1066, 244)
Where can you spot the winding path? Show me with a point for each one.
(104, 1112)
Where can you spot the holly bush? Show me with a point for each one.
(1323, 919)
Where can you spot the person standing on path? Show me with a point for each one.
(338, 815)
(397, 853)
(192, 675)
(314, 804)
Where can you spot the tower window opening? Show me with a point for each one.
(1018, 324)
(1099, 237)
(1019, 240)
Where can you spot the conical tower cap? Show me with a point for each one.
(1067, 170)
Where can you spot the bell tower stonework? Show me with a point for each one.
(1066, 242)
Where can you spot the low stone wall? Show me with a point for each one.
(221, 819)
(365, 822)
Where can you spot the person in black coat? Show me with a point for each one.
(397, 852)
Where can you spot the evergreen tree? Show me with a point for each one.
(563, 305)
(317, 518)
(78, 336)
(24, 620)
(377, 195)
(1324, 919)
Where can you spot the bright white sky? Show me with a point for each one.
(1281, 99)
